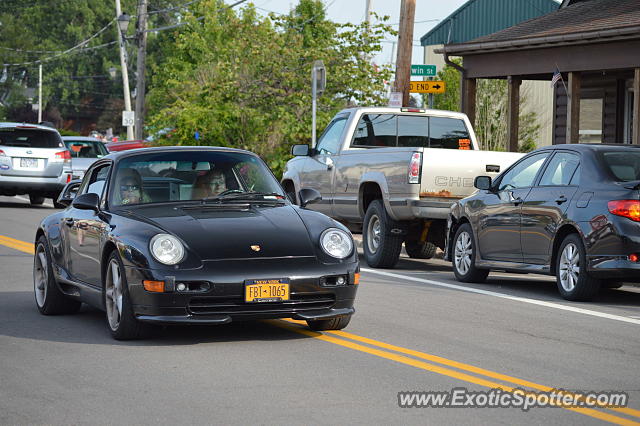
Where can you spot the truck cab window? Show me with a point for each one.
(413, 131)
(376, 130)
(329, 142)
(449, 133)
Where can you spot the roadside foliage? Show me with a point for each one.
(242, 80)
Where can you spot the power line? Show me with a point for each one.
(73, 50)
(169, 27)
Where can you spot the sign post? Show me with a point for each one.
(420, 70)
(318, 83)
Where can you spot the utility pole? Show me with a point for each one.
(40, 94)
(368, 12)
(125, 72)
(405, 48)
(141, 36)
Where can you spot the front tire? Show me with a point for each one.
(573, 280)
(119, 312)
(49, 299)
(381, 248)
(417, 250)
(464, 257)
(337, 323)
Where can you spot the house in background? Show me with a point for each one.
(593, 44)
(477, 18)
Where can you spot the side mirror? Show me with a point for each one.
(69, 192)
(300, 150)
(482, 182)
(308, 196)
(89, 201)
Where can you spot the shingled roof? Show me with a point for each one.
(579, 22)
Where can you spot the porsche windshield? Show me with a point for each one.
(191, 175)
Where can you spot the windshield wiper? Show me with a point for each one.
(253, 195)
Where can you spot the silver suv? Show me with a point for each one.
(34, 161)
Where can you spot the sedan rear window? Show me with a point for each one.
(30, 138)
(86, 149)
(624, 165)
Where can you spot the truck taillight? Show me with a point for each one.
(414, 167)
(64, 156)
(626, 208)
(2, 154)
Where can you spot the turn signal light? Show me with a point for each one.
(356, 278)
(414, 167)
(154, 286)
(626, 208)
(634, 257)
(68, 177)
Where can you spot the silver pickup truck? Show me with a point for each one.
(393, 173)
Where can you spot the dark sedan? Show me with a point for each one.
(572, 211)
(192, 235)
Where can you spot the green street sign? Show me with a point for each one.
(423, 70)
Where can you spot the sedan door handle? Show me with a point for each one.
(561, 199)
(68, 221)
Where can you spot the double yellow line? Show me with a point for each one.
(481, 376)
(464, 372)
(22, 246)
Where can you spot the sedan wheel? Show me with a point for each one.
(40, 275)
(120, 317)
(574, 282)
(464, 257)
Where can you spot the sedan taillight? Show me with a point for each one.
(65, 156)
(2, 154)
(626, 208)
(414, 167)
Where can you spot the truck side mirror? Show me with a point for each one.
(300, 150)
(482, 182)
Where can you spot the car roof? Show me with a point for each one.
(398, 110)
(584, 147)
(8, 124)
(80, 138)
(116, 156)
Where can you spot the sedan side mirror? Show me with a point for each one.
(482, 182)
(300, 150)
(308, 196)
(69, 192)
(88, 201)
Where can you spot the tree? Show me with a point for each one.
(243, 80)
(491, 111)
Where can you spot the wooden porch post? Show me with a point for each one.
(573, 108)
(468, 99)
(513, 112)
(636, 108)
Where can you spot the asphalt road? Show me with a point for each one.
(416, 329)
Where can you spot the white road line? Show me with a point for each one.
(621, 318)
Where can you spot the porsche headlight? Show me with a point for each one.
(336, 243)
(167, 249)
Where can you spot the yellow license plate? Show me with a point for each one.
(266, 290)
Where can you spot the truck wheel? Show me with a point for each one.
(381, 248)
(464, 257)
(35, 199)
(417, 250)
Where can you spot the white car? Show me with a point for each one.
(84, 152)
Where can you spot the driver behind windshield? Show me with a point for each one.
(210, 184)
(128, 187)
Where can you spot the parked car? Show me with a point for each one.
(393, 174)
(126, 145)
(184, 235)
(572, 211)
(33, 161)
(84, 151)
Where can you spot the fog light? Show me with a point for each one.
(181, 287)
(340, 281)
(634, 257)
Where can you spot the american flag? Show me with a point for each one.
(556, 76)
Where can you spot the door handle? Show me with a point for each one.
(329, 162)
(561, 199)
(68, 221)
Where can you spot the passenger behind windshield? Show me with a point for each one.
(209, 184)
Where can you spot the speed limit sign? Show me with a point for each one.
(128, 118)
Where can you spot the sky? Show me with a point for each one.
(353, 11)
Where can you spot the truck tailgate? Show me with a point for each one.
(449, 173)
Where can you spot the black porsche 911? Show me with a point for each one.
(568, 210)
(192, 236)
